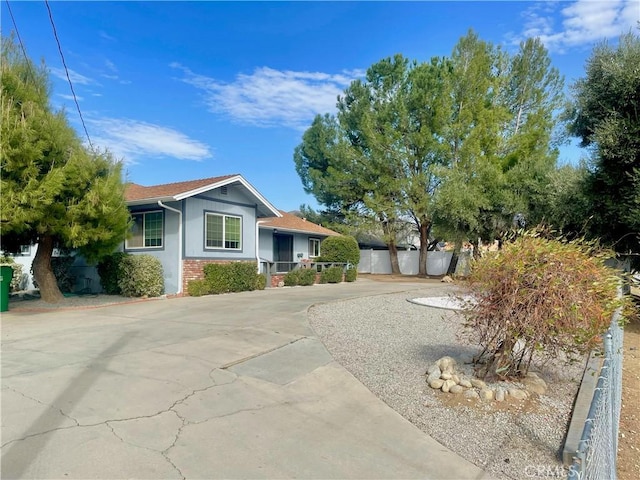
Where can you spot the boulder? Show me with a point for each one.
(456, 389)
(465, 383)
(432, 368)
(476, 382)
(533, 383)
(446, 364)
(517, 394)
(446, 376)
(446, 386)
(486, 394)
(436, 383)
(473, 394)
(435, 374)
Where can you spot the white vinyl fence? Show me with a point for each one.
(378, 261)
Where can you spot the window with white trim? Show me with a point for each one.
(314, 247)
(146, 231)
(223, 231)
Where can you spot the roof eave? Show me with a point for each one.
(155, 200)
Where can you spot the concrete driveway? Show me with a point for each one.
(231, 386)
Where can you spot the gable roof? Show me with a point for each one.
(290, 223)
(170, 192)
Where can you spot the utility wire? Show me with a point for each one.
(15, 27)
(75, 99)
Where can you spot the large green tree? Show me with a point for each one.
(376, 158)
(606, 117)
(501, 141)
(55, 192)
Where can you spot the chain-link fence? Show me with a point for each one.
(596, 455)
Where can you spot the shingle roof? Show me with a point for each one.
(139, 192)
(289, 222)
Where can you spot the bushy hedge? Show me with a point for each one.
(538, 297)
(331, 275)
(231, 277)
(16, 279)
(300, 276)
(140, 276)
(342, 248)
(197, 288)
(351, 274)
(261, 281)
(108, 269)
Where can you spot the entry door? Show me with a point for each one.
(283, 250)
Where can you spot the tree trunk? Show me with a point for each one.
(423, 228)
(454, 258)
(393, 256)
(43, 273)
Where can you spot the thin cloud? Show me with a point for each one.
(70, 97)
(269, 97)
(76, 78)
(580, 23)
(132, 139)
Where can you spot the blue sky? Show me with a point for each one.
(187, 90)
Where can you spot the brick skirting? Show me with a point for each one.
(194, 270)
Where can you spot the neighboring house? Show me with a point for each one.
(189, 224)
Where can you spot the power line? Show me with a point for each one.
(75, 99)
(15, 27)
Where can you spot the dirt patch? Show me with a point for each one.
(629, 439)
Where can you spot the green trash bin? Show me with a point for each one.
(6, 274)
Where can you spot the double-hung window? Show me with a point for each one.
(146, 231)
(314, 247)
(223, 231)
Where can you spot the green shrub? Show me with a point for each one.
(351, 274)
(16, 279)
(140, 276)
(231, 277)
(197, 288)
(109, 271)
(261, 281)
(306, 276)
(331, 275)
(538, 297)
(342, 248)
(292, 278)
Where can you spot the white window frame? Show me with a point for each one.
(311, 251)
(224, 217)
(144, 221)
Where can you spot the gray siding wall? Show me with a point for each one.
(194, 218)
(168, 254)
(300, 244)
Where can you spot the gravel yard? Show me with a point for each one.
(387, 343)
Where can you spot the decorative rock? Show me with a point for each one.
(534, 383)
(517, 393)
(465, 383)
(432, 368)
(434, 375)
(280, 284)
(500, 395)
(447, 376)
(446, 364)
(446, 386)
(486, 394)
(456, 389)
(455, 378)
(447, 279)
(471, 394)
(437, 383)
(476, 382)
